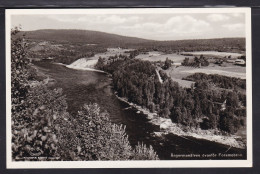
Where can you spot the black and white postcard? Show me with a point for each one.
(128, 88)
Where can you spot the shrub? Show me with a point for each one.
(35, 109)
(96, 138)
(141, 152)
(19, 72)
(35, 129)
(93, 137)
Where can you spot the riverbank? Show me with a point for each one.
(81, 68)
(167, 126)
(86, 69)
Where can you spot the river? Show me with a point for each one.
(81, 87)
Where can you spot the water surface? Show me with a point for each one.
(94, 87)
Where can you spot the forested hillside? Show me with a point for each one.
(202, 106)
(113, 40)
(82, 36)
(66, 46)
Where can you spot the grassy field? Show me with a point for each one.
(214, 54)
(220, 72)
(158, 56)
(177, 73)
(231, 70)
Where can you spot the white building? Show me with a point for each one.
(240, 62)
(176, 64)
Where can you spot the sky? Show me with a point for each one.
(148, 26)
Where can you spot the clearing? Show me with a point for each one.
(230, 70)
(155, 56)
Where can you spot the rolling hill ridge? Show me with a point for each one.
(114, 40)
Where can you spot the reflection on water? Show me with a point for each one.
(93, 87)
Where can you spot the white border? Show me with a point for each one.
(130, 164)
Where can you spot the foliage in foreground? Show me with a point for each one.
(93, 137)
(42, 129)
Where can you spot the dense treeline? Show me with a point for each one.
(201, 106)
(218, 80)
(221, 45)
(42, 127)
(196, 62)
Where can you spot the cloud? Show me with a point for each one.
(234, 27)
(150, 26)
(95, 19)
(175, 26)
(61, 18)
(217, 17)
(186, 24)
(236, 14)
(114, 19)
(181, 24)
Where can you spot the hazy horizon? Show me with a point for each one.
(161, 27)
(133, 36)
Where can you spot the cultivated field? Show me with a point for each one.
(158, 56)
(177, 73)
(220, 72)
(213, 53)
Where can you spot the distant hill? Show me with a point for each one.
(82, 36)
(113, 40)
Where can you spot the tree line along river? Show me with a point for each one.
(81, 87)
